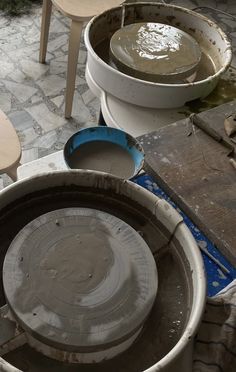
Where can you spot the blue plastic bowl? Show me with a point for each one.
(99, 133)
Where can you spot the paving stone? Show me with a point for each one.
(45, 152)
(17, 76)
(21, 91)
(4, 21)
(57, 43)
(6, 68)
(5, 102)
(58, 53)
(24, 20)
(65, 48)
(6, 31)
(46, 119)
(65, 20)
(4, 56)
(79, 109)
(95, 106)
(58, 101)
(46, 141)
(6, 180)
(36, 98)
(11, 43)
(33, 69)
(23, 52)
(34, 56)
(88, 96)
(66, 134)
(61, 58)
(31, 35)
(27, 136)
(52, 84)
(57, 68)
(1, 183)
(79, 80)
(58, 27)
(82, 57)
(21, 120)
(29, 155)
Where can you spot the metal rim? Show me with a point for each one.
(102, 129)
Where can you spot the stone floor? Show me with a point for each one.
(32, 94)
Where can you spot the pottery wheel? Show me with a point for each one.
(79, 279)
(155, 51)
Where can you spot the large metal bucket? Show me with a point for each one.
(131, 198)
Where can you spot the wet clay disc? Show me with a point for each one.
(155, 52)
(80, 280)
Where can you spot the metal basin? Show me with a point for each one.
(166, 342)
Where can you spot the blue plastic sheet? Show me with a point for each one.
(217, 279)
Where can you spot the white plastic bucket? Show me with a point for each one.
(213, 42)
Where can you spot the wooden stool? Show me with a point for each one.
(79, 11)
(10, 149)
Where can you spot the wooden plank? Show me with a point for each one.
(195, 171)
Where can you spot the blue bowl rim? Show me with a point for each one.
(136, 143)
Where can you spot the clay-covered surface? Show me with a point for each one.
(155, 51)
(103, 156)
(170, 311)
(195, 170)
(80, 279)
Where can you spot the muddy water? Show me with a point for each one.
(223, 93)
(169, 315)
(103, 156)
(156, 49)
(205, 68)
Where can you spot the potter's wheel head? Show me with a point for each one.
(155, 52)
(80, 280)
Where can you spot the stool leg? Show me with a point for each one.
(73, 53)
(45, 23)
(12, 172)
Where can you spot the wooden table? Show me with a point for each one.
(195, 171)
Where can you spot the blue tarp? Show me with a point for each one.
(217, 279)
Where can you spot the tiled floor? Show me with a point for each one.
(32, 94)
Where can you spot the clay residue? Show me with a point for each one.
(223, 93)
(170, 312)
(103, 156)
(155, 48)
(78, 262)
(161, 332)
(205, 68)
